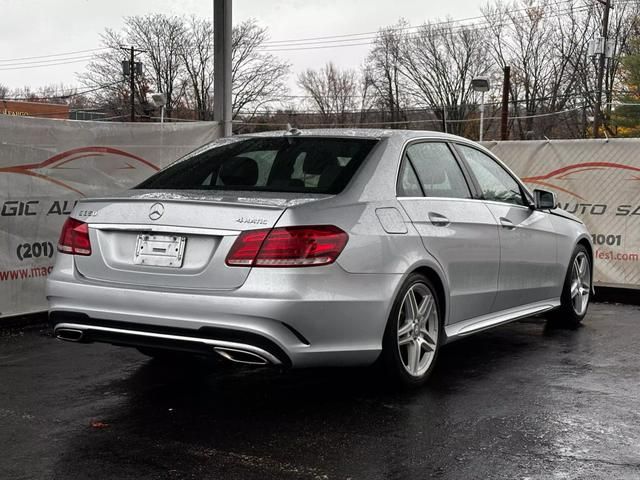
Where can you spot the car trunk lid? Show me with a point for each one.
(174, 240)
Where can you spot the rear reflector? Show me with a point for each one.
(74, 238)
(288, 247)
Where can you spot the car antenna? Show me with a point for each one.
(292, 130)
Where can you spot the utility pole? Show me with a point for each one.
(132, 69)
(504, 116)
(601, 66)
(132, 83)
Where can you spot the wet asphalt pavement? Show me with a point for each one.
(521, 401)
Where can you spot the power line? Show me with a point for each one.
(394, 29)
(487, 25)
(339, 41)
(54, 55)
(277, 45)
(456, 25)
(37, 62)
(44, 65)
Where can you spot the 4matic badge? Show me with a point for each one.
(252, 220)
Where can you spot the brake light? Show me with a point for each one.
(246, 248)
(288, 247)
(74, 238)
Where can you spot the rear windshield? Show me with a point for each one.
(273, 164)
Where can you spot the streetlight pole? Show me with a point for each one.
(481, 84)
(481, 116)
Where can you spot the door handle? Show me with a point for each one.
(506, 223)
(438, 220)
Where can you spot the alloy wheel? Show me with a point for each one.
(580, 283)
(418, 329)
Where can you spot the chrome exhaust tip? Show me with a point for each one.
(241, 356)
(69, 334)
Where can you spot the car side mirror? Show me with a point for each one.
(545, 200)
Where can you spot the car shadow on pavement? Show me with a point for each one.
(197, 418)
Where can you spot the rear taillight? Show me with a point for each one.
(74, 238)
(287, 247)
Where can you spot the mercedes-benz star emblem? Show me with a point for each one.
(156, 211)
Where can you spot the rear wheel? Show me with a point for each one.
(576, 292)
(412, 337)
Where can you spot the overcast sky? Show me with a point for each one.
(31, 28)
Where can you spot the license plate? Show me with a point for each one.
(160, 250)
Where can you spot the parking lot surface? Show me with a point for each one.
(521, 401)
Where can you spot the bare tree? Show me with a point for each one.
(197, 55)
(440, 62)
(258, 78)
(523, 40)
(104, 78)
(178, 55)
(382, 71)
(546, 46)
(333, 92)
(162, 38)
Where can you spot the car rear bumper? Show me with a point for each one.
(320, 316)
(239, 346)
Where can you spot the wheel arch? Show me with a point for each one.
(441, 292)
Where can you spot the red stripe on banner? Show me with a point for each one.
(577, 166)
(99, 150)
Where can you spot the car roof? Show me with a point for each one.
(357, 133)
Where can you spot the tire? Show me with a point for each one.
(411, 342)
(576, 291)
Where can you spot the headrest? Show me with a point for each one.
(317, 161)
(239, 171)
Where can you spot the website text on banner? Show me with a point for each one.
(46, 165)
(599, 182)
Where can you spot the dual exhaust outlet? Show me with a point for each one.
(235, 355)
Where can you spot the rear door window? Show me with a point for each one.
(431, 169)
(277, 164)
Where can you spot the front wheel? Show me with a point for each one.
(413, 334)
(576, 292)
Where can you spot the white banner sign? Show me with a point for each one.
(46, 165)
(599, 182)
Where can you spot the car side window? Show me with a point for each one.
(430, 168)
(409, 185)
(495, 182)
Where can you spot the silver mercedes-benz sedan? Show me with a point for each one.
(319, 248)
